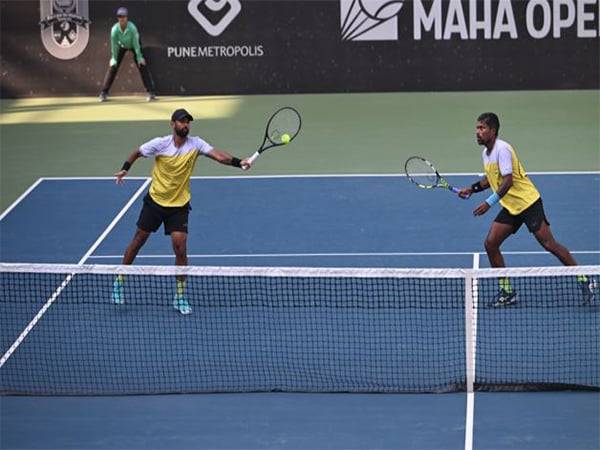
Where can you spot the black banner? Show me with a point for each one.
(199, 47)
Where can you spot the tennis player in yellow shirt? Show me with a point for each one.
(521, 203)
(168, 200)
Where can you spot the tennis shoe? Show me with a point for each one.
(504, 298)
(589, 288)
(102, 97)
(117, 293)
(182, 305)
(151, 97)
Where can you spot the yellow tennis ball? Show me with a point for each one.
(285, 138)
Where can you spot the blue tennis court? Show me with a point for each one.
(299, 221)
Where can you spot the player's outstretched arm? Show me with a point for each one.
(126, 166)
(226, 158)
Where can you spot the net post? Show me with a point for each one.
(471, 301)
(470, 327)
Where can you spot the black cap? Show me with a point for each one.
(122, 12)
(180, 114)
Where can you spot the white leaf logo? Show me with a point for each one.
(214, 5)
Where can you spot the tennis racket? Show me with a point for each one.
(422, 173)
(283, 126)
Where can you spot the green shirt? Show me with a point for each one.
(128, 39)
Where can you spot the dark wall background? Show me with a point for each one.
(303, 52)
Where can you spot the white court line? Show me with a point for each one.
(471, 302)
(300, 255)
(39, 180)
(114, 222)
(35, 320)
(21, 197)
(67, 280)
(331, 175)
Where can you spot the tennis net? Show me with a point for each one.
(295, 329)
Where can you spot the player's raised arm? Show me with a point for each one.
(226, 158)
(478, 186)
(504, 181)
(127, 165)
(507, 182)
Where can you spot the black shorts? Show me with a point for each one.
(532, 217)
(153, 215)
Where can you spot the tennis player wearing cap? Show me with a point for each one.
(124, 37)
(168, 200)
(521, 204)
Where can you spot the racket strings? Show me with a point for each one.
(275, 135)
(285, 121)
(421, 172)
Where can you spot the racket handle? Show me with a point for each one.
(456, 191)
(253, 157)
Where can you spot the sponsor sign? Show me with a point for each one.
(204, 47)
(377, 20)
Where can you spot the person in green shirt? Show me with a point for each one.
(124, 37)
